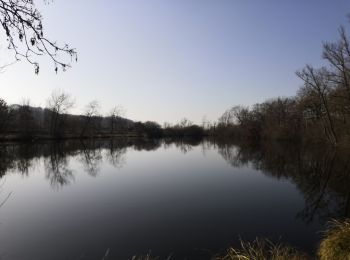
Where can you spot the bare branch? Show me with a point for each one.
(22, 25)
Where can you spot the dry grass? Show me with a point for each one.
(336, 244)
(262, 249)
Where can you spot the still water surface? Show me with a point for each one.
(118, 198)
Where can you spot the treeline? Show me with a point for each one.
(54, 121)
(320, 111)
(25, 122)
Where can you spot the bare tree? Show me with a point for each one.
(58, 104)
(234, 115)
(114, 114)
(240, 114)
(338, 55)
(316, 82)
(226, 118)
(185, 123)
(23, 27)
(91, 110)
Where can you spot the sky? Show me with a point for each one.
(163, 60)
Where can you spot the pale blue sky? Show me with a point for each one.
(163, 60)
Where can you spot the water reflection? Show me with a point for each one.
(91, 157)
(322, 174)
(57, 167)
(116, 153)
(172, 202)
(185, 145)
(23, 158)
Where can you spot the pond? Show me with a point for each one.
(113, 199)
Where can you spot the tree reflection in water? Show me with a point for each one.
(321, 174)
(57, 167)
(91, 157)
(24, 157)
(116, 154)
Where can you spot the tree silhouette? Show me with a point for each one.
(23, 28)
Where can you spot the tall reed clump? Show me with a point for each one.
(262, 249)
(336, 244)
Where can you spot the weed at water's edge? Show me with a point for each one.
(336, 243)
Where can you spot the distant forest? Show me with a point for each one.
(25, 122)
(319, 112)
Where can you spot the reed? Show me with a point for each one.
(262, 249)
(336, 243)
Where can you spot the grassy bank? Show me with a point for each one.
(334, 246)
(262, 249)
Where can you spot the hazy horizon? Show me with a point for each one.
(165, 60)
